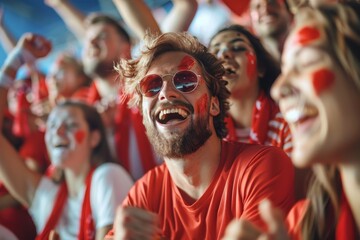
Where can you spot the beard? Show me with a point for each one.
(98, 68)
(180, 143)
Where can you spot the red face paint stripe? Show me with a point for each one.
(201, 103)
(307, 34)
(79, 136)
(186, 63)
(323, 79)
(251, 65)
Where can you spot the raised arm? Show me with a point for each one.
(138, 16)
(180, 16)
(19, 180)
(6, 39)
(73, 18)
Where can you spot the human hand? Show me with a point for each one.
(241, 229)
(54, 235)
(135, 223)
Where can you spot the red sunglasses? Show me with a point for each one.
(184, 81)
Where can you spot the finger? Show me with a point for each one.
(54, 235)
(273, 217)
(241, 229)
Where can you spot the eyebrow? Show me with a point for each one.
(238, 39)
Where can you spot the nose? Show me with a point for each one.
(223, 53)
(60, 130)
(280, 88)
(168, 90)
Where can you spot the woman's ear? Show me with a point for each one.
(95, 138)
(214, 106)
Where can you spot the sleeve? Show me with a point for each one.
(295, 217)
(109, 187)
(269, 174)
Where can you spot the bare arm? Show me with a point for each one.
(6, 39)
(19, 180)
(101, 233)
(180, 16)
(138, 16)
(73, 18)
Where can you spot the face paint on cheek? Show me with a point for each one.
(306, 35)
(79, 136)
(251, 65)
(186, 63)
(201, 103)
(322, 80)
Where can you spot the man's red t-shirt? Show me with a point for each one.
(247, 174)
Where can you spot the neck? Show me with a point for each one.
(274, 45)
(107, 88)
(75, 179)
(193, 173)
(241, 110)
(350, 176)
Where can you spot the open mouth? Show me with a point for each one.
(297, 116)
(171, 114)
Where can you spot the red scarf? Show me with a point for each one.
(87, 228)
(124, 118)
(346, 227)
(264, 110)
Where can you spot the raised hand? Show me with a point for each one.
(35, 44)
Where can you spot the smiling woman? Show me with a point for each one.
(84, 202)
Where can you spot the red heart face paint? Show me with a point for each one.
(306, 35)
(186, 63)
(79, 136)
(251, 65)
(322, 80)
(201, 103)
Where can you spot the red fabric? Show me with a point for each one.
(124, 119)
(294, 218)
(40, 89)
(346, 227)
(246, 175)
(21, 124)
(11, 217)
(34, 148)
(268, 127)
(87, 229)
(236, 6)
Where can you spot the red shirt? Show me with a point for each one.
(247, 174)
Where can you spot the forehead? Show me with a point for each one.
(99, 28)
(61, 113)
(228, 37)
(170, 62)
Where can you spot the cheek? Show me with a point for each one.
(307, 35)
(201, 103)
(79, 136)
(251, 65)
(186, 63)
(322, 80)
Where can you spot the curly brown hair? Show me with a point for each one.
(133, 71)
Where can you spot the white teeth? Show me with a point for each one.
(180, 111)
(292, 115)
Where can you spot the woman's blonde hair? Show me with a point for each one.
(133, 71)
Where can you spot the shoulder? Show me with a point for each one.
(112, 173)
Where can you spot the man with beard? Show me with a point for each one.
(204, 182)
(271, 21)
(104, 42)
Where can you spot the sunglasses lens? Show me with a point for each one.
(151, 85)
(185, 81)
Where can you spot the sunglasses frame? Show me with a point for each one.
(198, 77)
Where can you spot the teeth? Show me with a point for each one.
(292, 116)
(180, 111)
(295, 115)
